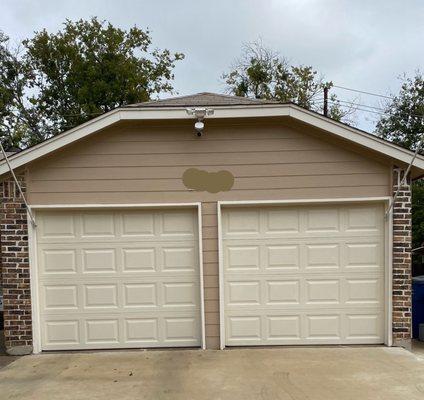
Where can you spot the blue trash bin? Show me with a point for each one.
(417, 304)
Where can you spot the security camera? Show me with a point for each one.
(199, 126)
(200, 114)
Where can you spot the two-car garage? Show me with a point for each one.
(289, 274)
(293, 229)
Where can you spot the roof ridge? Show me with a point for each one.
(197, 96)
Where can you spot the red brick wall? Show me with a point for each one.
(402, 306)
(15, 267)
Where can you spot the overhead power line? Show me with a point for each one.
(365, 107)
(364, 92)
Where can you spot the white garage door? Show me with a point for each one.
(118, 279)
(303, 275)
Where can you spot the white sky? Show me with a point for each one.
(361, 44)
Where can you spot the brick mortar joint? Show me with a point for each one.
(15, 266)
(401, 290)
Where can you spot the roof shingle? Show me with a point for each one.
(203, 99)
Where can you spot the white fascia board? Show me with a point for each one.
(278, 110)
(172, 113)
(356, 136)
(61, 140)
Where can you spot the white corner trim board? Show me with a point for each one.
(280, 110)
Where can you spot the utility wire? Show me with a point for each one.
(364, 92)
(12, 172)
(357, 106)
(405, 175)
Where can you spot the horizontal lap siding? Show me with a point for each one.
(210, 272)
(145, 165)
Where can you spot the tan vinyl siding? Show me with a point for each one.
(142, 164)
(210, 272)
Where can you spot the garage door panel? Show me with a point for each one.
(282, 292)
(60, 296)
(178, 258)
(58, 261)
(140, 295)
(304, 290)
(181, 329)
(323, 326)
(244, 328)
(141, 330)
(360, 255)
(122, 279)
(283, 328)
(243, 222)
(303, 221)
(138, 224)
(180, 294)
(57, 226)
(98, 225)
(176, 224)
(117, 258)
(102, 331)
(304, 254)
(242, 257)
(364, 326)
(101, 295)
(323, 255)
(322, 291)
(282, 257)
(61, 333)
(92, 226)
(244, 292)
(99, 260)
(322, 220)
(364, 218)
(364, 291)
(282, 221)
(139, 259)
(304, 275)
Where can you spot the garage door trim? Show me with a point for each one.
(32, 244)
(388, 249)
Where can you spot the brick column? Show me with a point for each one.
(402, 302)
(15, 269)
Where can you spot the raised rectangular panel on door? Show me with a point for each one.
(118, 278)
(310, 274)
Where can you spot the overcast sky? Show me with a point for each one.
(362, 44)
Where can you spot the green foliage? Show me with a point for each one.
(417, 213)
(403, 123)
(56, 81)
(262, 74)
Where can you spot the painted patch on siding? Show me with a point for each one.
(212, 182)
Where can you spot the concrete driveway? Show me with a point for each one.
(285, 373)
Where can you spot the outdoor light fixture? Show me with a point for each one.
(200, 114)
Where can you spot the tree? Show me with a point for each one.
(403, 119)
(55, 81)
(16, 117)
(402, 123)
(261, 73)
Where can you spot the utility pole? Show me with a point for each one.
(325, 100)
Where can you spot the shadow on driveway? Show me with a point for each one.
(303, 373)
(4, 358)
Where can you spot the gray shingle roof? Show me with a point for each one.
(203, 99)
